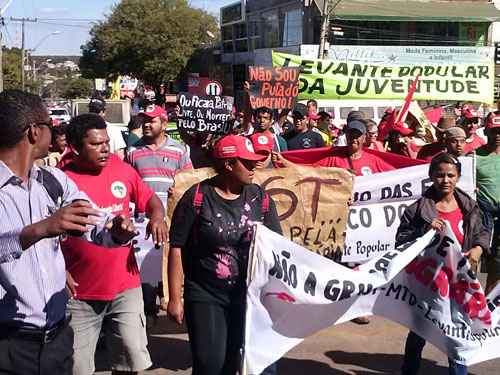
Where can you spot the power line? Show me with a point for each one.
(71, 19)
(86, 27)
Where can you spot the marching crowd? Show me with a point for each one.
(68, 274)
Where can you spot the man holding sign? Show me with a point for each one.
(352, 156)
(304, 138)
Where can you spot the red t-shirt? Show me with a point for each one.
(377, 146)
(367, 164)
(455, 218)
(100, 272)
(473, 142)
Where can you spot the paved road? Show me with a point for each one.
(345, 349)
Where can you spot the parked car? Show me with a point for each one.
(59, 114)
(117, 111)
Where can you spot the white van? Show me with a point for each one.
(373, 108)
(117, 111)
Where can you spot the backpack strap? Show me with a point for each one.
(265, 203)
(198, 200)
(52, 185)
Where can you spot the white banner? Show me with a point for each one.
(148, 257)
(404, 55)
(294, 293)
(380, 201)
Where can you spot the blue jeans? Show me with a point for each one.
(491, 221)
(413, 356)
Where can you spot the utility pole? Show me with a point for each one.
(2, 24)
(23, 52)
(327, 11)
(325, 21)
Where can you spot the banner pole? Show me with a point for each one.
(250, 270)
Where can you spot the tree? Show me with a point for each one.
(149, 39)
(73, 88)
(11, 68)
(68, 88)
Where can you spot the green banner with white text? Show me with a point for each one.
(330, 79)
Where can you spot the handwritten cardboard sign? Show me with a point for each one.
(311, 202)
(275, 88)
(205, 113)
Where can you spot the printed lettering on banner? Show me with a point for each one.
(426, 285)
(334, 79)
(380, 200)
(404, 55)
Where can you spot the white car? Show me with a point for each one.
(60, 114)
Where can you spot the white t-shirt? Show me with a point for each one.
(116, 141)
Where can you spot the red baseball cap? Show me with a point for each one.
(493, 122)
(313, 116)
(468, 112)
(236, 146)
(263, 142)
(155, 111)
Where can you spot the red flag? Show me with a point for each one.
(434, 115)
(409, 97)
(314, 155)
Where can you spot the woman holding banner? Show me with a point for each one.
(210, 237)
(443, 201)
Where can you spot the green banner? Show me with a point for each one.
(330, 79)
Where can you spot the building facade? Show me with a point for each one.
(252, 29)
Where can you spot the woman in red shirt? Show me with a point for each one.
(371, 138)
(443, 201)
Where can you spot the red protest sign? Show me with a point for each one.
(276, 88)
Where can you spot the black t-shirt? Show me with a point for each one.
(215, 243)
(308, 139)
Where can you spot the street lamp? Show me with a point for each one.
(44, 39)
(31, 50)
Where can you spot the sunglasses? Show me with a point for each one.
(48, 123)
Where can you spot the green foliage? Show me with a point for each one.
(73, 88)
(149, 39)
(69, 88)
(11, 68)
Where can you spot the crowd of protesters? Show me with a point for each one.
(68, 273)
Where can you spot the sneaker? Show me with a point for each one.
(163, 304)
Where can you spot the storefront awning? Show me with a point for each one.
(413, 10)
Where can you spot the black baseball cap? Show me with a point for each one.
(299, 111)
(356, 125)
(97, 105)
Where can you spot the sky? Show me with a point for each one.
(71, 18)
